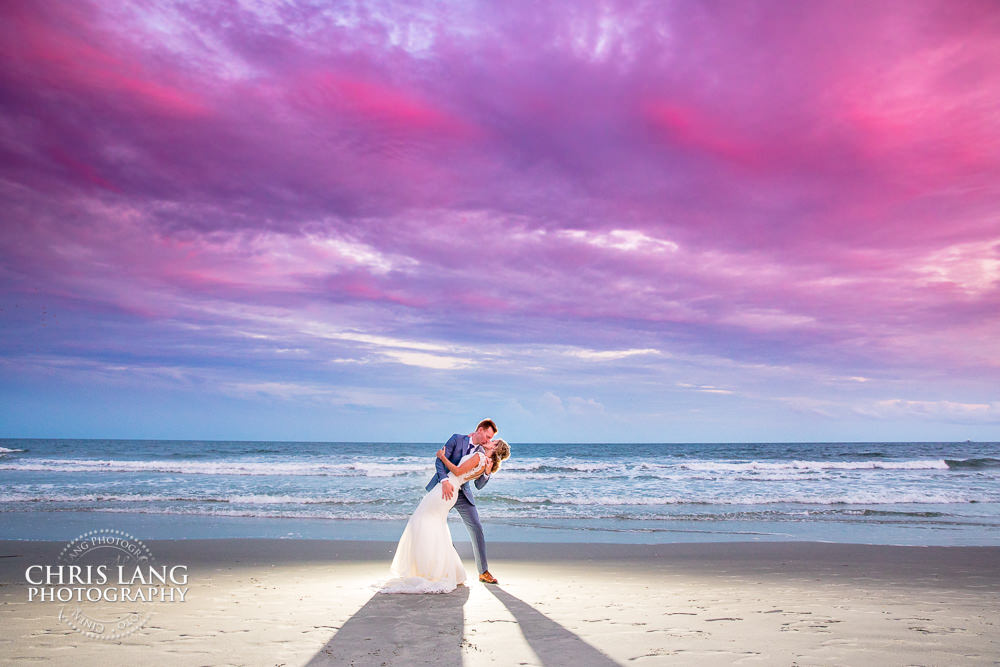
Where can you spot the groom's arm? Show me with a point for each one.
(449, 449)
(482, 479)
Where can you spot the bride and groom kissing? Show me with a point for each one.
(426, 560)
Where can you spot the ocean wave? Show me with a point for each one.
(224, 467)
(259, 514)
(551, 468)
(972, 464)
(7, 450)
(556, 466)
(859, 498)
(245, 499)
(662, 476)
(892, 513)
(921, 464)
(676, 475)
(662, 469)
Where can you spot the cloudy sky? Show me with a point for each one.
(592, 221)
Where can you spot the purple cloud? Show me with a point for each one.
(755, 184)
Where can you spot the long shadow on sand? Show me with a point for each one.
(551, 642)
(399, 629)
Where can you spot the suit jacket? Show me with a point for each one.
(457, 446)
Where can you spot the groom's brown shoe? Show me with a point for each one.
(488, 578)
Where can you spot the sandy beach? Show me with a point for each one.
(299, 602)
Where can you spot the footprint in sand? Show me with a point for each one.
(809, 625)
(936, 629)
(681, 633)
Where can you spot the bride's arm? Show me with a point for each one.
(444, 459)
(468, 466)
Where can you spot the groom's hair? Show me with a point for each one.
(488, 423)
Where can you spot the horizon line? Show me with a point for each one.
(532, 442)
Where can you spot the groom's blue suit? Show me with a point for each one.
(458, 446)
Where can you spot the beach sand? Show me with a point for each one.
(298, 602)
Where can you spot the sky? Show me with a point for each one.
(591, 221)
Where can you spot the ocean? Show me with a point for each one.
(945, 493)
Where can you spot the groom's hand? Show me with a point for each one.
(447, 490)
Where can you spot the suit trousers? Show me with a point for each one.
(470, 516)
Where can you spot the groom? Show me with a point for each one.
(457, 447)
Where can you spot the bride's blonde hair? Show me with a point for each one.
(501, 453)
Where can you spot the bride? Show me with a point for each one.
(426, 560)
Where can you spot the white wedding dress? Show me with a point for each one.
(426, 560)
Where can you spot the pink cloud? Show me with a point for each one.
(739, 180)
(80, 169)
(686, 128)
(69, 48)
(335, 93)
